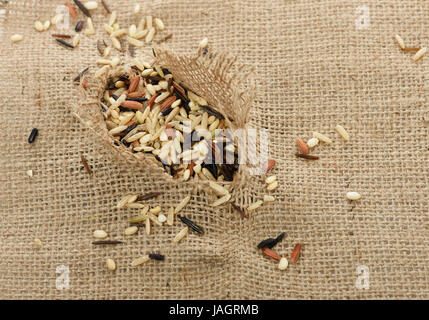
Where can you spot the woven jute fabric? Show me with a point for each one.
(317, 64)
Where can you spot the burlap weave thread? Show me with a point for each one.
(314, 69)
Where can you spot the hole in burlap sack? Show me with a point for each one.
(214, 77)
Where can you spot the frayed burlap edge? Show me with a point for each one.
(228, 87)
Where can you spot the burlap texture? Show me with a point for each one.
(314, 69)
(216, 77)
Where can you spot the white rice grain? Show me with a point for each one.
(118, 129)
(150, 35)
(342, 132)
(90, 27)
(268, 198)
(100, 234)
(218, 188)
(182, 204)
(352, 195)
(76, 40)
(255, 205)
(16, 37)
(159, 24)
(311, 143)
(140, 260)
(221, 200)
(204, 43)
(272, 186)
(322, 137)
(400, 41)
(38, 26)
(111, 265)
(419, 54)
(131, 230)
(270, 179)
(182, 233)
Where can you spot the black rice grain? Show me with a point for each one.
(156, 256)
(64, 43)
(82, 8)
(191, 225)
(33, 135)
(79, 26)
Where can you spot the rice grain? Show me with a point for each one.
(140, 260)
(322, 137)
(353, 195)
(182, 204)
(342, 132)
(181, 235)
(419, 54)
(255, 205)
(400, 41)
(100, 234)
(221, 200)
(111, 265)
(16, 37)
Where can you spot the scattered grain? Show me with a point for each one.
(255, 205)
(420, 54)
(283, 264)
(312, 142)
(140, 260)
(400, 41)
(352, 195)
(111, 265)
(16, 37)
(322, 137)
(342, 132)
(100, 234)
(38, 26)
(131, 230)
(181, 235)
(268, 198)
(182, 204)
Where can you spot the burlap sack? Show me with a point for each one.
(317, 65)
(216, 77)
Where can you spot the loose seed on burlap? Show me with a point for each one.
(295, 253)
(64, 43)
(156, 256)
(82, 8)
(270, 253)
(182, 233)
(111, 265)
(306, 156)
(140, 261)
(283, 264)
(100, 234)
(33, 135)
(239, 210)
(192, 225)
(302, 146)
(103, 242)
(353, 195)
